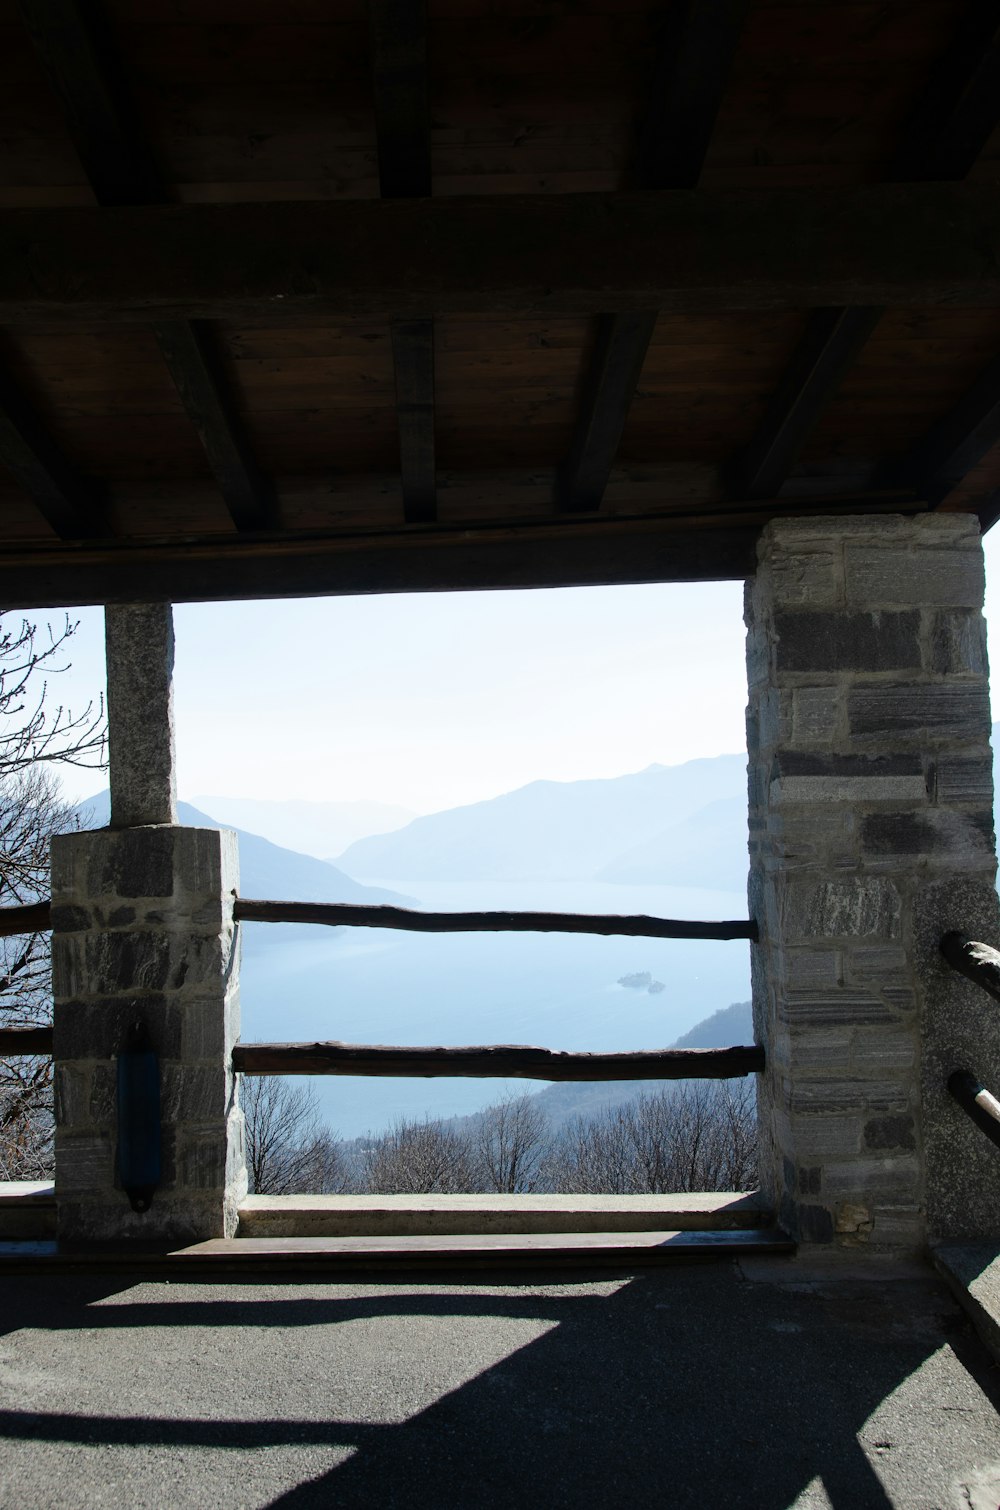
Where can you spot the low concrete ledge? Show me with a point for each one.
(467, 1215)
(972, 1273)
(27, 1209)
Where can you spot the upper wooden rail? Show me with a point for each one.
(342, 914)
(31, 918)
(977, 962)
(25, 1041)
(497, 1061)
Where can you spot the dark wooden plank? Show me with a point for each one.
(707, 251)
(33, 917)
(831, 343)
(68, 501)
(224, 570)
(413, 357)
(76, 50)
(189, 350)
(947, 130)
(960, 107)
(618, 1248)
(398, 32)
(344, 914)
(496, 1061)
(398, 39)
(689, 77)
(25, 1041)
(957, 443)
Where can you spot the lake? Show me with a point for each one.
(364, 985)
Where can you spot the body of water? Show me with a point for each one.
(557, 990)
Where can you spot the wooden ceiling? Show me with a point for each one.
(316, 296)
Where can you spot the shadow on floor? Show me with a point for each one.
(687, 1387)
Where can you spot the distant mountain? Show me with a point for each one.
(310, 828)
(708, 849)
(553, 830)
(725, 1028)
(267, 870)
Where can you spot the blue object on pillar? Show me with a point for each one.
(139, 1164)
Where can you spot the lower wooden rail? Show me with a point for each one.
(981, 1105)
(500, 1061)
(32, 917)
(25, 1041)
(347, 915)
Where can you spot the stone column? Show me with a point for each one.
(143, 931)
(871, 834)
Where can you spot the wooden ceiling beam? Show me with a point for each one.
(954, 118)
(398, 32)
(689, 79)
(67, 501)
(79, 60)
(957, 443)
(707, 251)
(239, 567)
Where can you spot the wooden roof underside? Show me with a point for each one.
(327, 296)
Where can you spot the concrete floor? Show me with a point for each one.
(754, 1385)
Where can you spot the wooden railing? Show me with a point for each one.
(346, 915)
(501, 1061)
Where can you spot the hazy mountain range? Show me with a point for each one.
(657, 824)
(267, 870)
(320, 829)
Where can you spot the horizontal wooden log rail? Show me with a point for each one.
(981, 1105)
(977, 962)
(346, 915)
(31, 918)
(497, 1061)
(25, 1041)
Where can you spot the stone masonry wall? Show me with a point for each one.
(871, 833)
(143, 930)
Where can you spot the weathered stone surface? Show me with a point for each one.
(964, 840)
(813, 641)
(140, 656)
(956, 644)
(924, 577)
(179, 978)
(890, 1132)
(904, 710)
(856, 907)
(871, 805)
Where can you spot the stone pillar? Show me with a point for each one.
(143, 931)
(871, 834)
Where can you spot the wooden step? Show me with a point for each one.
(377, 1216)
(488, 1248)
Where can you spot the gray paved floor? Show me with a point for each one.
(757, 1386)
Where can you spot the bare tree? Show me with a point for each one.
(289, 1150)
(694, 1136)
(511, 1138)
(419, 1158)
(34, 737)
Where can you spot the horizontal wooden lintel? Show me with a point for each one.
(916, 244)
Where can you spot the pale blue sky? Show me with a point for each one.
(434, 700)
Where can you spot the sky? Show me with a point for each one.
(434, 700)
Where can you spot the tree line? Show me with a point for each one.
(696, 1135)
